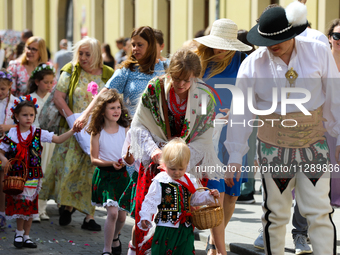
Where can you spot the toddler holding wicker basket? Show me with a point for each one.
(20, 153)
(170, 193)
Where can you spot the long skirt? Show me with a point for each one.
(174, 241)
(68, 177)
(145, 176)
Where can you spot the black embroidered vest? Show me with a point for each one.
(170, 208)
(34, 157)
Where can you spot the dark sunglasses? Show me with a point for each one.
(336, 36)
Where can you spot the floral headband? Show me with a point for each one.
(41, 68)
(22, 99)
(6, 75)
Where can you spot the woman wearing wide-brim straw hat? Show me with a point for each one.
(221, 55)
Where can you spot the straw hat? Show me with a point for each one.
(277, 25)
(223, 36)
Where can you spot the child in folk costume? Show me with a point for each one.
(40, 85)
(108, 126)
(6, 102)
(23, 142)
(169, 193)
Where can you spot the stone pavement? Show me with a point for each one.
(53, 239)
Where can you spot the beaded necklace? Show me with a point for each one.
(23, 144)
(177, 108)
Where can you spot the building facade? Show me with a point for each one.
(107, 20)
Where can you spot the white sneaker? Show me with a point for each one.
(36, 219)
(44, 216)
(301, 246)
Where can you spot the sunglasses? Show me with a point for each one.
(336, 36)
(33, 50)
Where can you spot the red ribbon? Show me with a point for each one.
(190, 186)
(22, 146)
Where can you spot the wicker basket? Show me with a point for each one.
(207, 217)
(14, 185)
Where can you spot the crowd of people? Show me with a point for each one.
(151, 125)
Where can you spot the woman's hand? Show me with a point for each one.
(230, 173)
(215, 193)
(145, 224)
(156, 155)
(226, 111)
(129, 157)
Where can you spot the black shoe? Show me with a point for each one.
(65, 218)
(31, 244)
(18, 245)
(246, 199)
(117, 250)
(91, 225)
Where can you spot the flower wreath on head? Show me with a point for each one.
(23, 98)
(41, 68)
(6, 75)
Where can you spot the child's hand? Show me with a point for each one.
(215, 193)
(117, 165)
(145, 224)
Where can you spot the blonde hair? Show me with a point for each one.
(184, 62)
(41, 49)
(206, 55)
(176, 153)
(95, 50)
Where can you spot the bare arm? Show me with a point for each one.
(3, 159)
(80, 122)
(62, 138)
(95, 160)
(56, 66)
(60, 103)
(5, 127)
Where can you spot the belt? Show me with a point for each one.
(309, 129)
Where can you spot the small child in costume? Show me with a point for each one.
(6, 102)
(169, 193)
(23, 142)
(40, 85)
(108, 127)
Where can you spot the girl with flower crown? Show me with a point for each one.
(6, 123)
(23, 142)
(39, 87)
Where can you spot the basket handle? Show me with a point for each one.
(9, 165)
(216, 199)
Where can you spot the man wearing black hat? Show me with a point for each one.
(291, 85)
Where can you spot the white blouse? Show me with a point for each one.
(40, 102)
(154, 196)
(261, 71)
(46, 137)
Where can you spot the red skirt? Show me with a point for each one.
(21, 208)
(145, 177)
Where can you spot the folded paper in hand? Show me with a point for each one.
(83, 138)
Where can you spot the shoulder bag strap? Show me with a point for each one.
(165, 109)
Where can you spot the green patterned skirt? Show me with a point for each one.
(128, 199)
(174, 241)
(108, 185)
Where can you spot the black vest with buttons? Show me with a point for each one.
(170, 208)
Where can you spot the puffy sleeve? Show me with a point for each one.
(12, 67)
(150, 203)
(118, 80)
(4, 146)
(46, 137)
(64, 82)
(330, 82)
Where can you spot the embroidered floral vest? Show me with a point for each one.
(169, 210)
(34, 157)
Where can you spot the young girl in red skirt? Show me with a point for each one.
(23, 142)
(169, 193)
